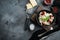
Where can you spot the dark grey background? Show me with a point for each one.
(12, 18)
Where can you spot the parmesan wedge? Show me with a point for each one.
(29, 6)
(33, 2)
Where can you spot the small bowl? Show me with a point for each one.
(47, 2)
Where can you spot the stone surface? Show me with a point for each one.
(12, 18)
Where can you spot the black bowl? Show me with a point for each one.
(37, 17)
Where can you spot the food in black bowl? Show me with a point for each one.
(45, 18)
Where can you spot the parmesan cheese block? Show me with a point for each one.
(29, 6)
(33, 2)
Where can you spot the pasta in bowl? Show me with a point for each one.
(45, 18)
